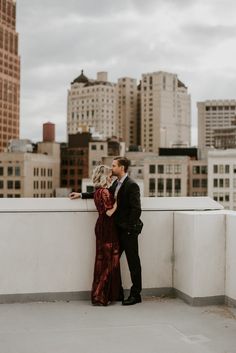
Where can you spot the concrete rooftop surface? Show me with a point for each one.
(157, 325)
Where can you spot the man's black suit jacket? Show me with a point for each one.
(128, 204)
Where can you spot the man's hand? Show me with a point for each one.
(74, 195)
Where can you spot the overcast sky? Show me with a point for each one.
(194, 38)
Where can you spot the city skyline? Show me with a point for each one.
(194, 39)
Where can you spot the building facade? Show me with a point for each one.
(166, 176)
(222, 177)
(212, 116)
(127, 111)
(92, 103)
(9, 74)
(75, 161)
(198, 178)
(27, 174)
(165, 112)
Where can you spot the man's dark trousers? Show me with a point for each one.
(129, 244)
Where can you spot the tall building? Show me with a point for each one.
(92, 103)
(214, 115)
(165, 111)
(127, 110)
(9, 74)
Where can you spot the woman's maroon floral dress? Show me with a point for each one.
(107, 281)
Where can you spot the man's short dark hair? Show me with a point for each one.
(123, 161)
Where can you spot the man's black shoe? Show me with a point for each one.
(132, 300)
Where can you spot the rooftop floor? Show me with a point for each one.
(154, 326)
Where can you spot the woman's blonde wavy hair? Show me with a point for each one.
(100, 176)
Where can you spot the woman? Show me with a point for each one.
(107, 281)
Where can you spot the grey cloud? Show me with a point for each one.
(208, 34)
(58, 39)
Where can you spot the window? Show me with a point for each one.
(227, 168)
(221, 198)
(169, 169)
(1, 170)
(160, 186)
(10, 171)
(17, 171)
(177, 169)
(215, 197)
(160, 169)
(227, 197)
(196, 183)
(221, 183)
(196, 169)
(1, 184)
(152, 169)
(215, 183)
(221, 168)
(204, 183)
(215, 168)
(152, 185)
(177, 185)
(204, 169)
(17, 184)
(227, 183)
(10, 184)
(169, 185)
(94, 147)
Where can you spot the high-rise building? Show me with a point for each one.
(92, 103)
(127, 110)
(165, 112)
(212, 116)
(9, 74)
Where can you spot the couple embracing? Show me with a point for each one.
(117, 229)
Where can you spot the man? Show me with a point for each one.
(127, 215)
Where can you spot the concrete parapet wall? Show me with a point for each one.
(47, 250)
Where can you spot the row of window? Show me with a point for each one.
(165, 169)
(42, 195)
(71, 172)
(197, 183)
(94, 147)
(223, 168)
(43, 184)
(199, 169)
(214, 108)
(221, 197)
(11, 184)
(43, 172)
(221, 183)
(164, 184)
(10, 195)
(10, 171)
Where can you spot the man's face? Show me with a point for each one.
(117, 170)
